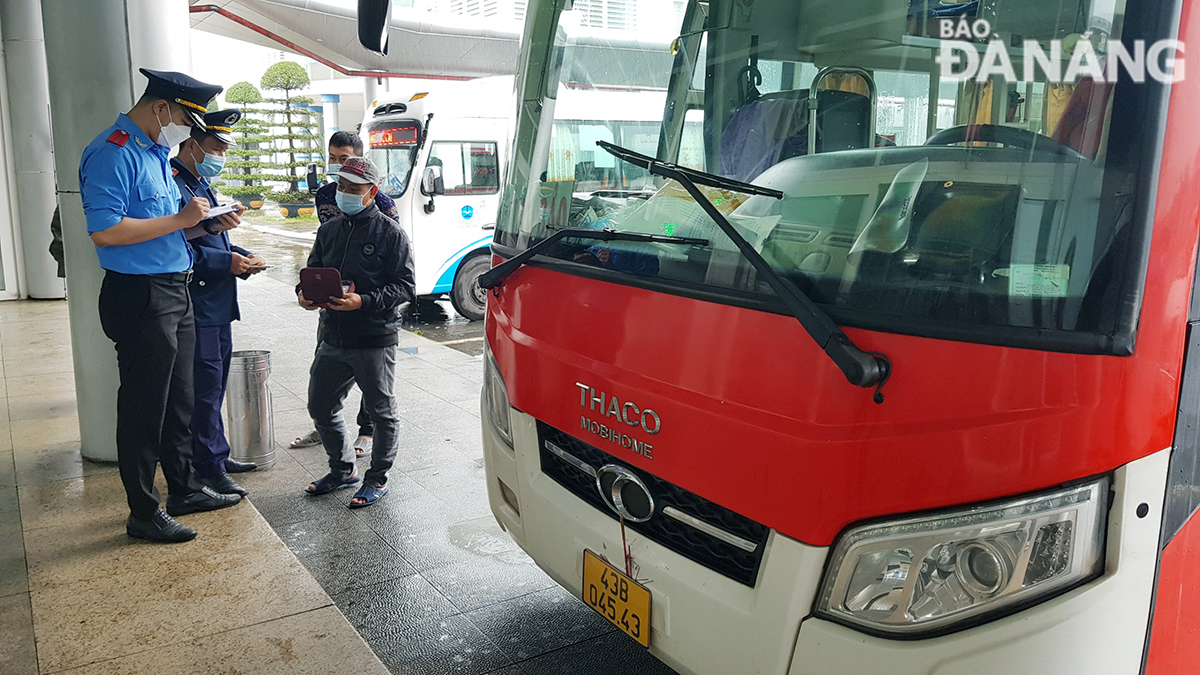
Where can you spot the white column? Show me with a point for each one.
(93, 49)
(29, 111)
(330, 103)
(370, 91)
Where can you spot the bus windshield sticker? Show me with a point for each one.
(1039, 281)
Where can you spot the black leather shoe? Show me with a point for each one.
(234, 466)
(224, 485)
(159, 527)
(203, 500)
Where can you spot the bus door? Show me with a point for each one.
(455, 217)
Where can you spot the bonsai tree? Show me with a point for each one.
(244, 166)
(299, 139)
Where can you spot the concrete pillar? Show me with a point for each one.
(29, 110)
(370, 91)
(93, 49)
(330, 104)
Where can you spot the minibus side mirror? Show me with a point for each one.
(431, 181)
(432, 184)
(374, 19)
(311, 179)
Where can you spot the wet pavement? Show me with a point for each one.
(425, 576)
(287, 253)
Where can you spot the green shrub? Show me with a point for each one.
(291, 196)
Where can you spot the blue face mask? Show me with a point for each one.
(350, 204)
(210, 166)
(332, 169)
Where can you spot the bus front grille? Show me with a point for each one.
(700, 530)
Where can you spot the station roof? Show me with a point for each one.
(473, 47)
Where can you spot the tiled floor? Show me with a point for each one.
(77, 595)
(425, 577)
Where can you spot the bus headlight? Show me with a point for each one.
(940, 573)
(495, 398)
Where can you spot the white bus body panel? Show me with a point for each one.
(460, 225)
(703, 623)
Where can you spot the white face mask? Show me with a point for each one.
(172, 134)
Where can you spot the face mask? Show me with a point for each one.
(171, 134)
(332, 169)
(210, 166)
(350, 204)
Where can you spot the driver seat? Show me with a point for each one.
(1081, 126)
(774, 127)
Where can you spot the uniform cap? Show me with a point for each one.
(358, 170)
(219, 125)
(191, 94)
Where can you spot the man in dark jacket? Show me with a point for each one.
(342, 146)
(213, 288)
(359, 330)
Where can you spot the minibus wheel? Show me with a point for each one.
(467, 297)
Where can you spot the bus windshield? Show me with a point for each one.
(392, 146)
(963, 170)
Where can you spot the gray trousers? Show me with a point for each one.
(333, 371)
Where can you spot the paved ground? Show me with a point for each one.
(78, 596)
(425, 576)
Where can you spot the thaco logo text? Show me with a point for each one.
(618, 412)
(962, 59)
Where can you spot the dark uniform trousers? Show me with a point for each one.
(150, 319)
(214, 349)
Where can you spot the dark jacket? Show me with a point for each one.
(213, 287)
(371, 250)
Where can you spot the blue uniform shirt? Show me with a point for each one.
(214, 289)
(125, 174)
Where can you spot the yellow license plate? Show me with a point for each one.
(621, 600)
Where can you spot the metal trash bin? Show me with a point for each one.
(249, 425)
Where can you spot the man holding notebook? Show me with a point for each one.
(359, 273)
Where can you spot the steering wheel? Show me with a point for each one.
(994, 133)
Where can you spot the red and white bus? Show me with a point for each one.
(898, 373)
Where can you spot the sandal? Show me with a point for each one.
(362, 446)
(329, 483)
(307, 441)
(368, 494)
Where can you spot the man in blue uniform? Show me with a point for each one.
(217, 264)
(134, 219)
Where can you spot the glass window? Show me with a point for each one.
(392, 146)
(916, 199)
(468, 168)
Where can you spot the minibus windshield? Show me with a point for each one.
(971, 171)
(392, 145)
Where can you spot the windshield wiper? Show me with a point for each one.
(863, 369)
(495, 276)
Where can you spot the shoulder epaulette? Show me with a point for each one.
(119, 137)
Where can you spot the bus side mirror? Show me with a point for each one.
(431, 181)
(374, 19)
(432, 184)
(312, 178)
